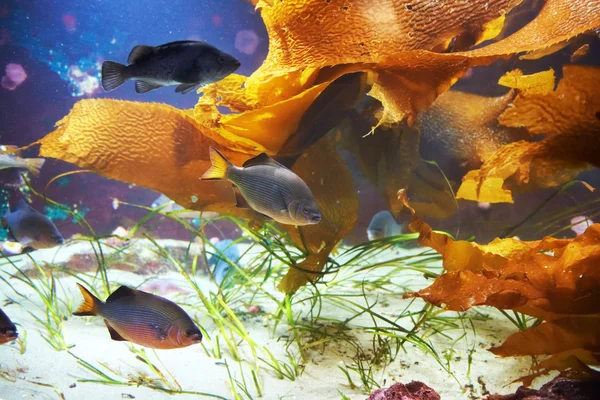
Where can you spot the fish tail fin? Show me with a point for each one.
(113, 75)
(220, 166)
(90, 303)
(34, 165)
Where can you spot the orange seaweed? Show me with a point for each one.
(567, 116)
(553, 279)
(311, 44)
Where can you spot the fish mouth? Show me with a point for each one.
(315, 218)
(196, 337)
(9, 334)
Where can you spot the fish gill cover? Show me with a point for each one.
(412, 52)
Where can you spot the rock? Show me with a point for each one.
(415, 390)
(557, 389)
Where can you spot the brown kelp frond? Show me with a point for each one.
(555, 280)
(566, 116)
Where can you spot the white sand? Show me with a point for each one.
(195, 371)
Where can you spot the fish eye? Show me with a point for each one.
(221, 60)
(189, 332)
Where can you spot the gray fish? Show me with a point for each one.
(185, 63)
(33, 165)
(8, 330)
(268, 188)
(30, 228)
(142, 318)
(383, 225)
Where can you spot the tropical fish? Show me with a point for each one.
(32, 229)
(33, 165)
(220, 267)
(143, 318)
(8, 330)
(268, 188)
(168, 206)
(383, 225)
(185, 63)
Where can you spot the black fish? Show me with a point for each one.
(142, 318)
(185, 63)
(31, 228)
(8, 330)
(267, 187)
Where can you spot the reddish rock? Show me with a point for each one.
(415, 390)
(557, 389)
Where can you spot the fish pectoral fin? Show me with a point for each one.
(114, 335)
(160, 333)
(144, 87)
(185, 88)
(25, 240)
(139, 52)
(267, 218)
(240, 201)
(262, 159)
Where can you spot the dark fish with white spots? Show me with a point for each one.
(32, 229)
(142, 318)
(185, 63)
(383, 225)
(268, 188)
(8, 330)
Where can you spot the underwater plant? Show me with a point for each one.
(410, 67)
(553, 280)
(370, 78)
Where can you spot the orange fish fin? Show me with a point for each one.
(90, 303)
(219, 167)
(114, 335)
(121, 292)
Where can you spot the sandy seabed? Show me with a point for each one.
(44, 373)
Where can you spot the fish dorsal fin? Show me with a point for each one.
(139, 52)
(262, 159)
(114, 335)
(122, 292)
